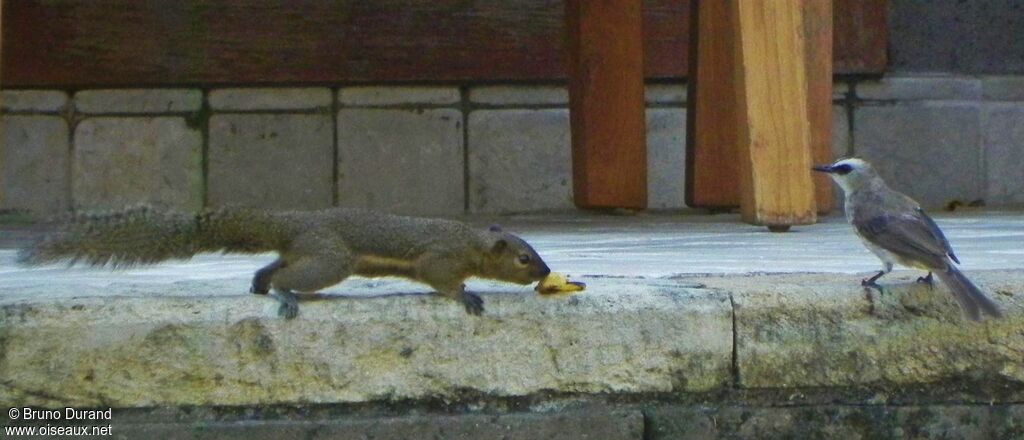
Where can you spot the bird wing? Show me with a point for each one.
(938, 234)
(910, 235)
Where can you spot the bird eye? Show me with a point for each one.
(843, 169)
(523, 259)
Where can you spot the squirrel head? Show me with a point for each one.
(509, 258)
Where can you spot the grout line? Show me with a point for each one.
(647, 429)
(71, 118)
(735, 350)
(465, 108)
(335, 167)
(205, 113)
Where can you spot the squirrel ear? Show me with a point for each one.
(499, 245)
(495, 228)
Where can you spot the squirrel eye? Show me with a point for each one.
(523, 259)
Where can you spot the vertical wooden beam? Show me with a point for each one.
(1, 40)
(606, 103)
(770, 76)
(817, 28)
(712, 143)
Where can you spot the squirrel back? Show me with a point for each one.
(145, 235)
(316, 249)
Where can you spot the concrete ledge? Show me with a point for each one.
(912, 88)
(399, 95)
(32, 100)
(815, 330)
(205, 343)
(194, 343)
(138, 101)
(308, 98)
(836, 421)
(519, 95)
(594, 423)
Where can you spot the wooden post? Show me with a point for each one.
(714, 145)
(606, 103)
(817, 28)
(775, 137)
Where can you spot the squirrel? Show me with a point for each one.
(316, 249)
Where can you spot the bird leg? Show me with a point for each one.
(927, 280)
(871, 284)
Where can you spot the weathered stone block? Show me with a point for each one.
(1003, 88)
(519, 95)
(839, 90)
(122, 161)
(590, 424)
(390, 95)
(519, 160)
(139, 101)
(276, 161)
(666, 158)
(271, 98)
(1003, 140)
(203, 342)
(401, 161)
(930, 151)
(665, 93)
(909, 88)
(822, 331)
(835, 421)
(32, 100)
(34, 156)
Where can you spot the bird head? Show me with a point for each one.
(851, 173)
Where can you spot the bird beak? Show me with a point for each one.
(822, 168)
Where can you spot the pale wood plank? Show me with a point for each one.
(770, 75)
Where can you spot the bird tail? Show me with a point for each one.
(972, 299)
(144, 235)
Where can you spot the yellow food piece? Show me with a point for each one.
(558, 283)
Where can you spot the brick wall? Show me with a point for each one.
(451, 150)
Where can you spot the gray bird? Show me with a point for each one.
(896, 229)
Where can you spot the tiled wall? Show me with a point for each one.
(451, 150)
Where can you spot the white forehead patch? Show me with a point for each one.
(853, 162)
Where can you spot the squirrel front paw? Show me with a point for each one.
(289, 304)
(473, 303)
(288, 310)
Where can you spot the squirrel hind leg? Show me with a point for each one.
(313, 261)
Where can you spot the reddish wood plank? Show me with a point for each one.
(860, 36)
(818, 35)
(712, 166)
(188, 42)
(606, 100)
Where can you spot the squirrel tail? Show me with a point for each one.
(145, 235)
